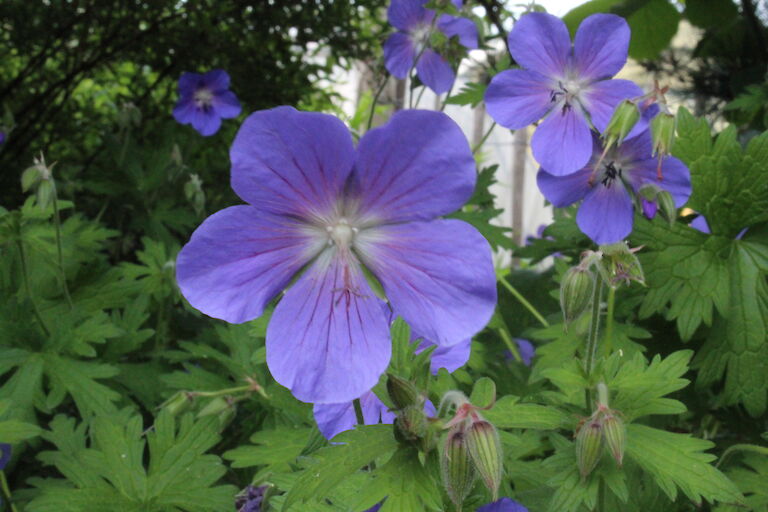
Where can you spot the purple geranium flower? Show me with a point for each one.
(320, 209)
(251, 499)
(700, 224)
(606, 215)
(568, 85)
(5, 455)
(411, 43)
(503, 505)
(205, 100)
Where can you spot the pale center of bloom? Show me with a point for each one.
(341, 233)
(203, 98)
(566, 91)
(420, 38)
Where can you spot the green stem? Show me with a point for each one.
(511, 345)
(485, 137)
(601, 496)
(25, 277)
(59, 252)
(230, 391)
(373, 104)
(447, 97)
(609, 320)
(7, 491)
(418, 98)
(594, 328)
(358, 411)
(754, 448)
(524, 302)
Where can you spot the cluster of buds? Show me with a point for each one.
(604, 428)
(411, 424)
(620, 264)
(472, 448)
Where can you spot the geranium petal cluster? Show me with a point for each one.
(325, 217)
(204, 100)
(609, 184)
(569, 86)
(410, 47)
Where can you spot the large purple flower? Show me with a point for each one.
(568, 85)
(204, 100)
(606, 215)
(409, 46)
(503, 505)
(319, 210)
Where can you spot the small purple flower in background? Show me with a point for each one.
(607, 213)
(503, 505)
(5, 455)
(320, 208)
(527, 350)
(2, 137)
(700, 224)
(204, 100)
(250, 499)
(568, 85)
(411, 43)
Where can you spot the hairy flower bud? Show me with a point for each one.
(485, 452)
(456, 467)
(411, 423)
(667, 206)
(589, 446)
(615, 436)
(179, 403)
(575, 293)
(624, 118)
(402, 392)
(663, 133)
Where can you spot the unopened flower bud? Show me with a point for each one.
(663, 133)
(179, 403)
(615, 436)
(485, 451)
(621, 264)
(624, 118)
(667, 206)
(589, 446)
(649, 208)
(456, 467)
(411, 423)
(402, 392)
(575, 292)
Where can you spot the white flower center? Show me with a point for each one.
(203, 97)
(420, 38)
(341, 233)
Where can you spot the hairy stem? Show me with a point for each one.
(609, 320)
(373, 103)
(594, 328)
(485, 137)
(524, 301)
(7, 491)
(59, 252)
(25, 277)
(358, 411)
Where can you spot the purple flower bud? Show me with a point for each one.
(649, 208)
(250, 499)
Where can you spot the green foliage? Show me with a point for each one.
(105, 469)
(653, 22)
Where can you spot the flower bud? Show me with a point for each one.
(485, 452)
(649, 208)
(615, 436)
(663, 133)
(624, 118)
(576, 293)
(621, 264)
(402, 392)
(667, 206)
(411, 423)
(589, 446)
(179, 403)
(456, 467)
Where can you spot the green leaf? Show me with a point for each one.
(679, 461)
(330, 466)
(274, 448)
(653, 22)
(750, 478)
(639, 387)
(470, 94)
(507, 413)
(483, 393)
(710, 13)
